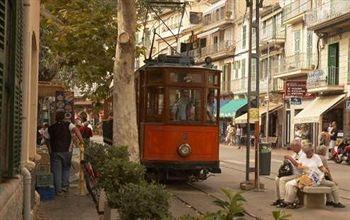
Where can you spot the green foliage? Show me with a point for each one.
(232, 206)
(95, 153)
(140, 201)
(281, 215)
(116, 172)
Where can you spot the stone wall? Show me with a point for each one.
(11, 199)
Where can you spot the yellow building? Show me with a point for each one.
(19, 58)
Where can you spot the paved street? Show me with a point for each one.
(200, 195)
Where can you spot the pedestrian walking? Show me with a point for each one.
(333, 136)
(239, 133)
(231, 132)
(86, 131)
(60, 142)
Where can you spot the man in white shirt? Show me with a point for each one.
(281, 181)
(312, 165)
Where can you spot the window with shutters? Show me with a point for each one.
(3, 144)
(243, 68)
(244, 37)
(297, 41)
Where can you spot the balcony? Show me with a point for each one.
(320, 82)
(272, 35)
(330, 16)
(215, 51)
(294, 12)
(239, 86)
(298, 65)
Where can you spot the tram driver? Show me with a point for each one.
(182, 109)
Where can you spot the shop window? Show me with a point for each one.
(185, 104)
(155, 103)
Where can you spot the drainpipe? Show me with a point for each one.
(27, 177)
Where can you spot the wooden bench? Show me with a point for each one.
(315, 197)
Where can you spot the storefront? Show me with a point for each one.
(317, 115)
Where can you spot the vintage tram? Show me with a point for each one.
(178, 110)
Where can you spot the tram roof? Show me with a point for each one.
(174, 62)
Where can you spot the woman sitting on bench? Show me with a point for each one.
(314, 172)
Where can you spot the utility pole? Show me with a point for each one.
(267, 93)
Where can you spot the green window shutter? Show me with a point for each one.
(2, 82)
(243, 68)
(16, 105)
(297, 41)
(244, 37)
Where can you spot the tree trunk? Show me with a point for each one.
(125, 131)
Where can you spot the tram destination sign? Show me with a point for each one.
(295, 88)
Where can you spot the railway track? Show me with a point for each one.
(207, 197)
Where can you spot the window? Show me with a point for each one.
(186, 77)
(243, 68)
(297, 41)
(155, 76)
(211, 109)
(213, 78)
(185, 104)
(244, 37)
(309, 48)
(222, 13)
(155, 103)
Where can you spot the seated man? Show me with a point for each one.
(211, 107)
(281, 181)
(312, 166)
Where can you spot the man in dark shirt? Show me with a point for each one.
(61, 155)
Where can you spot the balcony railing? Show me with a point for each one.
(297, 7)
(318, 79)
(327, 11)
(239, 85)
(271, 33)
(298, 62)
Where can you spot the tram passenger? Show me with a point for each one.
(182, 108)
(211, 107)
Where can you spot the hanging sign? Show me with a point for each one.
(253, 115)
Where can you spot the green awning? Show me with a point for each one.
(230, 109)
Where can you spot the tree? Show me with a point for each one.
(78, 44)
(124, 102)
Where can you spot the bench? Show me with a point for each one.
(315, 197)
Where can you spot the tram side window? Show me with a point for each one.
(155, 103)
(213, 79)
(185, 104)
(186, 77)
(211, 110)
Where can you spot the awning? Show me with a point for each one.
(230, 108)
(312, 112)
(214, 6)
(47, 89)
(262, 110)
(212, 31)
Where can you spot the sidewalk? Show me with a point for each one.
(70, 206)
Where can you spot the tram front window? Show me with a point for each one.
(185, 104)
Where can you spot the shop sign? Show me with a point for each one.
(348, 106)
(295, 101)
(65, 102)
(253, 115)
(295, 89)
(316, 79)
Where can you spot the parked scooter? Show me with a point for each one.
(341, 153)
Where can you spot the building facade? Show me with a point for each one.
(19, 58)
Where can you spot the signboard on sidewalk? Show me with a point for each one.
(295, 89)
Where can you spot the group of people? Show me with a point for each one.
(308, 169)
(59, 137)
(329, 136)
(233, 135)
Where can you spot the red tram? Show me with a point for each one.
(178, 110)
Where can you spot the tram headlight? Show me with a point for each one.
(184, 150)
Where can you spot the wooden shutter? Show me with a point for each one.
(16, 94)
(2, 83)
